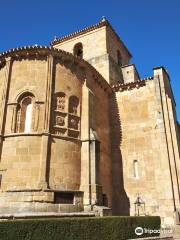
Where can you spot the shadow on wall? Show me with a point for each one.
(120, 200)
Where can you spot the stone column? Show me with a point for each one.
(43, 181)
(7, 73)
(96, 189)
(13, 114)
(90, 154)
(36, 117)
(5, 92)
(85, 150)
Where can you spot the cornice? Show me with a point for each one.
(121, 87)
(37, 51)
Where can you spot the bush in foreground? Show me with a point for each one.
(84, 228)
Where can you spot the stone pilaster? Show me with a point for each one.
(5, 92)
(7, 73)
(96, 189)
(13, 121)
(43, 181)
(90, 154)
(36, 117)
(171, 140)
(85, 151)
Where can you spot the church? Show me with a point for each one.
(80, 131)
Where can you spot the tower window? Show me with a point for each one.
(24, 114)
(78, 50)
(135, 169)
(119, 58)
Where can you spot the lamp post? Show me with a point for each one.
(139, 206)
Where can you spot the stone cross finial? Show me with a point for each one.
(55, 38)
(103, 19)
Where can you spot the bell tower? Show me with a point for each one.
(100, 45)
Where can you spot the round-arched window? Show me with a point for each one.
(78, 50)
(24, 113)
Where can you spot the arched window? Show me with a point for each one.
(135, 169)
(24, 113)
(119, 58)
(78, 50)
(73, 105)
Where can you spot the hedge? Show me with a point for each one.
(77, 228)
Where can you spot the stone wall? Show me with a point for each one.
(20, 157)
(21, 161)
(65, 159)
(50, 157)
(143, 143)
(34, 160)
(113, 45)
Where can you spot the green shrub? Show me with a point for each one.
(92, 228)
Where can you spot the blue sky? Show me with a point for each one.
(149, 28)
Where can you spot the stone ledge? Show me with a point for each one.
(45, 214)
(154, 238)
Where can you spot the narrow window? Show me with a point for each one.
(24, 114)
(28, 118)
(119, 58)
(135, 166)
(78, 50)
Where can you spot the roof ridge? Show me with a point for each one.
(103, 22)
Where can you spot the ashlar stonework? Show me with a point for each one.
(80, 131)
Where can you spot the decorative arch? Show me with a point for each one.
(66, 115)
(24, 113)
(74, 116)
(25, 91)
(78, 50)
(60, 109)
